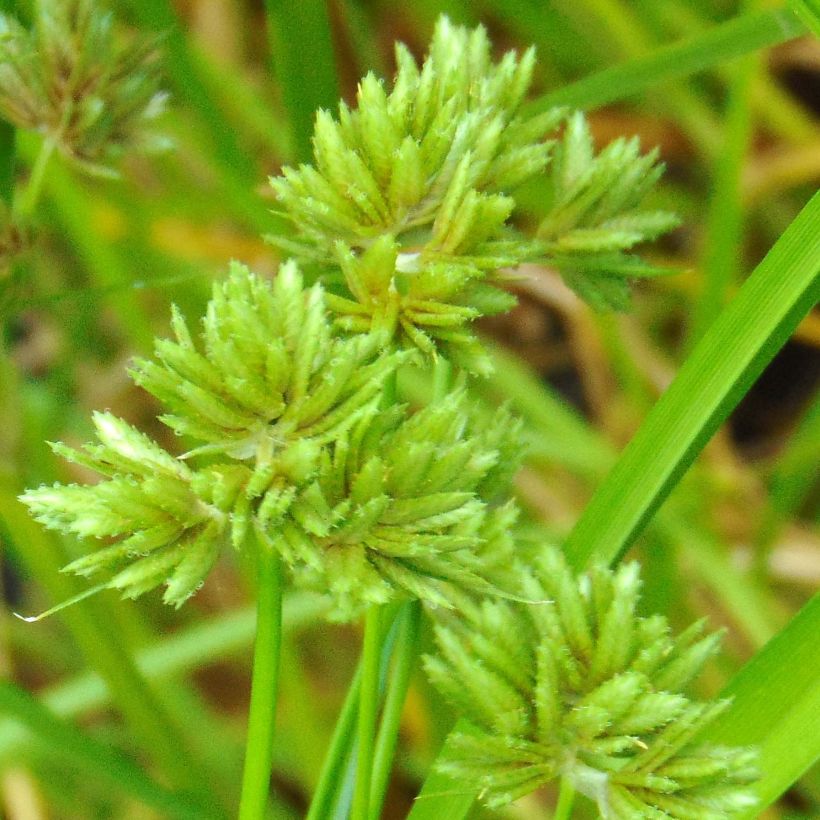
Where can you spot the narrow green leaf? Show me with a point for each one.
(716, 375)
(302, 51)
(182, 66)
(7, 140)
(777, 705)
(734, 38)
(725, 216)
(96, 759)
(441, 796)
(809, 13)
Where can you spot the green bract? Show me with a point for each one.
(580, 687)
(410, 196)
(69, 80)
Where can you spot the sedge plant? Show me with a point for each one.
(297, 445)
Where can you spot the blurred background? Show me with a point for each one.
(736, 542)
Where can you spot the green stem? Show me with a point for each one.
(368, 707)
(339, 745)
(259, 745)
(566, 799)
(28, 198)
(394, 703)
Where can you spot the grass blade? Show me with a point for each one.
(442, 796)
(93, 757)
(742, 35)
(777, 705)
(302, 51)
(709, 385)
(7, 140)
(809, 13)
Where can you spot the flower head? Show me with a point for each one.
(406, 207)
(272, 386)
(69, 80)
(401, 506)
(409, 193)
(580, 687)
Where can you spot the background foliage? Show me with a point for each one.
(114, 702)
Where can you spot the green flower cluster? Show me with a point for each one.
(409, 198)
(580, 687)
(68, 79)
(364, 502)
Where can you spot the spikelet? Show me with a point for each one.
(68, 79)
(581, 687)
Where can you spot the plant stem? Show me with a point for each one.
(259, 745)
(566, 798)
(28, 198)
(368, 707)
(394, 703)
(339, 744)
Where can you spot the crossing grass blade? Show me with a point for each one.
(302, 51)
(713, 379)
(776, 706)
(725, 41)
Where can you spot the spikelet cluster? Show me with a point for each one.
(270, 386)
(401, 506)
(595, 214)
(580, 687)
(68, 79)
(269, 370)
(411, 192)
(364, 503)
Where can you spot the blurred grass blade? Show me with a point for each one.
(96, 759)
(809, 13)
(777, 705)
(793, 479)
(7, 134)
(182, 66)
(721, 260)
(302, 52)
(7, 139)
(715, 376)
(734, 38)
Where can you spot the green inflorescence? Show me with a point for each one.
(293, 447)
(68, 79)
(410, 198)
(580, 687)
